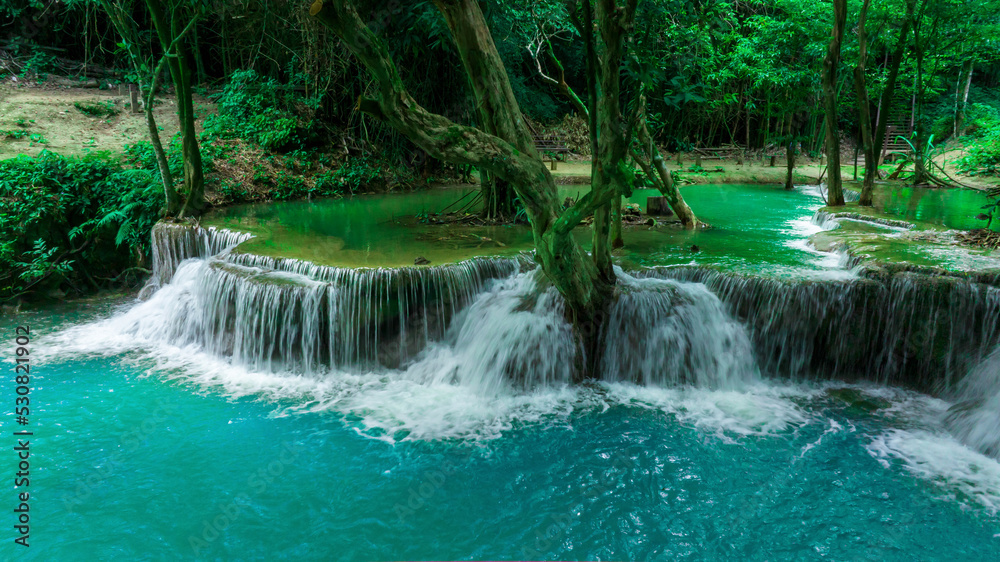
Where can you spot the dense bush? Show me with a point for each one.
(982, 156)
(264, 111)
(72, 224)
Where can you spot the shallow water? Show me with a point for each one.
(950, 208)
(754, 228)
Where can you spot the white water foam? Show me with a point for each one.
(976, 419)
(960, 474)
(757, 410)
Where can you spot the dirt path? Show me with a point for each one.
(51, 121)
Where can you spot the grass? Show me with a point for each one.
(97, 109)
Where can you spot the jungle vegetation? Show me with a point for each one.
(449, 86)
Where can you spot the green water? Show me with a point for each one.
(950, 208)
(137, 462)
(753, 228)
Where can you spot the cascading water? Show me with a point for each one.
(663, 332)
(916, 330)
(174, 243)
(976, 418)
(485, 326)
(669, 326)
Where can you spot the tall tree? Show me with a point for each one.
(864, 105)
(171, 31)
(835, 192)
(585, 288)
(120, 14)
(885, 107)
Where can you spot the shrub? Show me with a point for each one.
(74, 223)
(982, 157)
(97, 109)
(263, 111)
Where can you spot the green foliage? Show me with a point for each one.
(98, 109)
(263, 111)
(13, 134)
(39, 65)
(982, 157)
(65, 222)
(43, 261)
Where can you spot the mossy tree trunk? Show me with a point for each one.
(170, 33)
(864, 108)
(647, 157)
(655, 168)
(498, 110)
(835, 192)
(585, 289)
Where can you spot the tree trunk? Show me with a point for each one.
(864, 111)
(962, 97)
(617, 241)
(790, 163)
(584, 288)
(871, 170)
(194, 178)
(498, 110)
(921, 174)
(835, 193)
(122, 20)
(171, 41)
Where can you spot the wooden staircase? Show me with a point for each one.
(900, 124)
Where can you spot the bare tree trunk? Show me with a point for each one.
(835, 193)
(120, 15)
(885, 106)
(656, 170)
(864, 110)
(921, 174)
(790, 163)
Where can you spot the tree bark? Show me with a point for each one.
(121, 19)
(171, 34)
(864, 110)
(585, 289)
(610, 179)
(835, 193)
(921, 174)
(498, 110)
(962, 97)
(656, 170)
(790, 164)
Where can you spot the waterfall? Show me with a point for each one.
(975, 420)
(174, 243)
(898, 327)
(668, 333)
(279, 314)
(488, 323)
